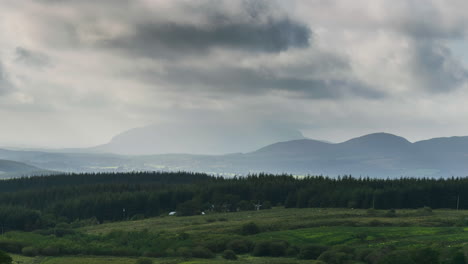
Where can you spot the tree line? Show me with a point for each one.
(43, 201)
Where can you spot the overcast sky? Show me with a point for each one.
(75, 73)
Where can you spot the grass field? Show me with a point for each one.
(361, 229)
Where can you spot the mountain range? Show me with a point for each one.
(373, 155)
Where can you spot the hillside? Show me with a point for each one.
(10, 168)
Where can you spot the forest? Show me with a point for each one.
(45, 201)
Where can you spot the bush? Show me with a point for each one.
(184, 252)
(424, 211)
(335, 257)
(375, 223)
(229, 254)
(262, 249)
(266, 205)
(246, 205)
(271, 248)
(137, 217)
(390, 213)
(217, 245)
(50, 251)
(426, 256)
(458, 258)
(144, 261)
(250, 229)
(372, 212)
(30, 251)
(202, 252)
(278, 248)
(400, 257)
(311, 251)
(11, 246)
(5, 258)
(240, 246)
(292, 251)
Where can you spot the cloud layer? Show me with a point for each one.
(75, 73)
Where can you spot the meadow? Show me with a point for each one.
(357, 235)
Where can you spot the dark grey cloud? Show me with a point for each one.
(31, 58)
(159, 40)
(236, 80)
(435, 67)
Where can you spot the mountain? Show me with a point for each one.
(373, 155)
(196, 139)
(10, 169)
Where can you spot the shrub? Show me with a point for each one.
(262, 249)
(390, 213)
(11, 246)
(292, 251)
(311, 251)
(334, 257)
(217, 245)
(372, 212)
(5, 258)
(246, 205)
(144, 261)
(426, 256)
(229, 254)
(271, 248)
(184, 252)
(202, 252)
(375, 223)
(137, 217)
(240, 246)
(458, 258)
(250, 229)
(30, 251)
(424, 211)
(266, 205)
(400, 257)
(278, 248)
(50, 251)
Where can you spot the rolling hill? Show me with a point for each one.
(374, 155)
(10, 169)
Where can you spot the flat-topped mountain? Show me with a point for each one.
(196, 139)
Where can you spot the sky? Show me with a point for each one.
(74, 73)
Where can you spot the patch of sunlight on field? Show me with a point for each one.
(88, 260)
(24, 260)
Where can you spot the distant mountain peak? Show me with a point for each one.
(380, 138)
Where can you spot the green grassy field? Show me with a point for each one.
(358, 229)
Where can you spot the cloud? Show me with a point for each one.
(436, 69)
(31, 58)
(334, 65)
(226, 80)
(5, 84)
(159, 40)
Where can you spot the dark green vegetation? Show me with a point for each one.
(43, 202)
(54, 219)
